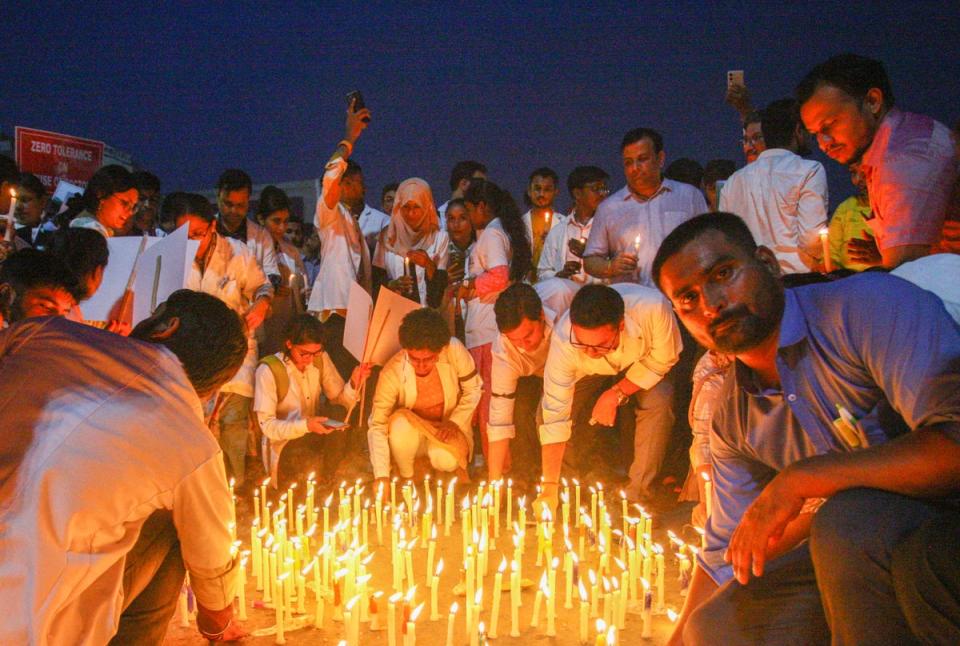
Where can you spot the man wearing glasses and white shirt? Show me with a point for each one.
(605, 368)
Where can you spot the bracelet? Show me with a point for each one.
(215, 636)
(346, 144)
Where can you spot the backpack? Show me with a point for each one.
(279, 371)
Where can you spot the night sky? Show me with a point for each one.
(191, 88)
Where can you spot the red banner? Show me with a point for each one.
(52, 156)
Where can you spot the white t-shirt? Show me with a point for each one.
(492, 249)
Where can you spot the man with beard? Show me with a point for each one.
(781, 196)
(832, 397)
(907, 159)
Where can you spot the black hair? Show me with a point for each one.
(778, 122)
(506, 210)
(595, 306)
(110, 179)
(855, 75)
(392, 186)
(686, 170)
(179, 204)
(583, 175)
(210, 340)
(9, 172)
(465, 170)
(730, 225)
(424, 329)
(29, 269)
(304, 328)
(752, 117)
(637, 134)
(82, 251)
(32, 183)
(717, 169)
(234, 179)
(352, 169)
(517, 302)
(457, 201)
(545, 171)
(146, 181)
(272, 199)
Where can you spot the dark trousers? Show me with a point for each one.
(881, 569)
(637, 442)
(525, 446)
(153, 575)
(311, 453)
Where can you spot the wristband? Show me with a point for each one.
(346, 144)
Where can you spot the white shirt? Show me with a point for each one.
(343, 250)
(509, 363)
(623, 216)
(439, 252)
(648, 347)
(286, 420)
(108, 431)
(397, 388)
(492, 249)
(783, 199)
(938, 273)
(87, 221)
(260, 243)
(442, 214)
(372, 221)
(556, 218)
(556, 252)
(233, 275)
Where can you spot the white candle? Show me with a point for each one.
(451, 619)
(584, 612)
(410, 639)
(434, 583)
(538, 600)
(636, 245)
(278, 610)
(11, 221)
(497, 591)
(825, 245)
(514, 600)
(658, 557)
(708, 490)
(647, 631)
(392, 618)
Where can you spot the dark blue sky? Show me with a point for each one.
(192, 88)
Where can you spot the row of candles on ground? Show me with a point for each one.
(332, 560)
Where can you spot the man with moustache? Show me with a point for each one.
(872, 563)
(908, 159)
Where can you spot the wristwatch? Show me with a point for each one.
(621, 396)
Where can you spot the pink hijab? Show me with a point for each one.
(400, 237)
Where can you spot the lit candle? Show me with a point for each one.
(594, 594)
(636, 245)
(601, 633)
(685, 569)
(576, 484)
(658, 557)
(538, 600)
(509, 503)
(432, 549)
(584, 612)
(708, 490)
(392, 618)
(451, 619)
(434, 583)
(278, 610)
(448, 515)
(647, 631)
(475, 616)
(11, 221)
(410, 639)
(497, 591)
(348, 613)
(317, 594)
(375, 611)
(825, 245)
(242, 593)
(568, 561)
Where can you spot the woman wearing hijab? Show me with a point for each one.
(413, 251)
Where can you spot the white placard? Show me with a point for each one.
(359, 311)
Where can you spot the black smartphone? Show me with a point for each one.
(355, 99)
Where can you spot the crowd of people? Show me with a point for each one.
(812, 364)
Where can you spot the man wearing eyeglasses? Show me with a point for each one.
(562, 255)
(605, 368)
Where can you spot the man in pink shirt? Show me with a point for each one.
(908, 159)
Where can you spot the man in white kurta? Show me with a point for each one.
(107, 433)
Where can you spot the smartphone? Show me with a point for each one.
(332, 423)
(734, 77)
(355, 99)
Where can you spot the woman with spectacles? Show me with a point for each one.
(108, 201)
(299, 394)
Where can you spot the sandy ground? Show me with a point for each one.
(434, 632)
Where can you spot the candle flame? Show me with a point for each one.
(646, 584)
(454, 607)
(439, 567)
(543, 582)
(611, 635)
(601, 626)
(672, 615)
(583, 591)
(416, 613)
(352, 603)
(394, 598)
(411, 594)
(478, 597)
(503, 564)
(705, 476)
(592, 576)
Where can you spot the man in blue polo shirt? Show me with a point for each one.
(845, 395)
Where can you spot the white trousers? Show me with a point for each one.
(407, 443)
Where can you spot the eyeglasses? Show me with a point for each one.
(597, 348)
(308, 355)
(600, 189)
(753, 140)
